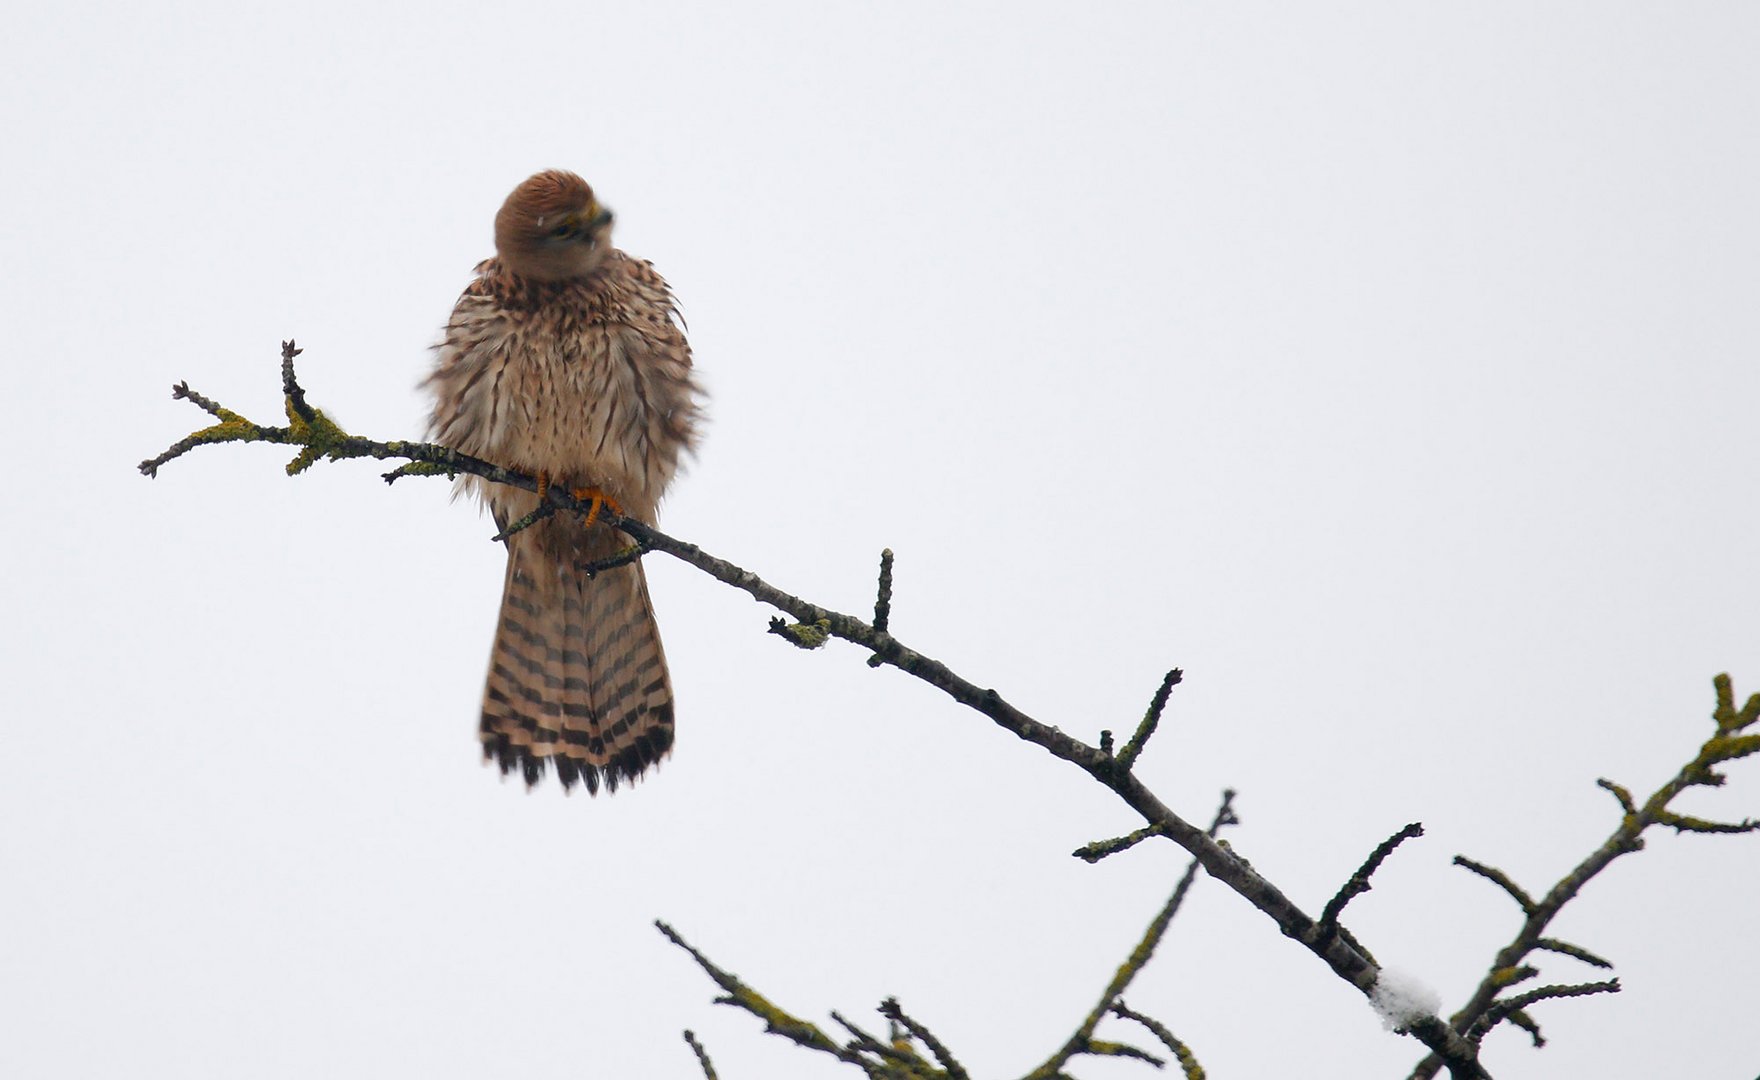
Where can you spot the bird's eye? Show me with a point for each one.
(561, 232)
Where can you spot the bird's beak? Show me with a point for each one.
(600, 221)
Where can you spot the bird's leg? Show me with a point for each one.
(543, 486)
(600, 500)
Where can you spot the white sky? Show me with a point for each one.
(1390, 367)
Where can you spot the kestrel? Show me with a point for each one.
(564, 359)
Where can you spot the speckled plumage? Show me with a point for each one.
(564, 357)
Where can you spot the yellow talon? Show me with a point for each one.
(543, 487)
(600, 500)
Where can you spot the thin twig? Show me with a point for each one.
(1724, 746)
(702, 1055)
(296, 395)
(776, 1021)
(1081, 1040)
(628, 555)
(890, 1009)
(1099, 849)
(1501, 1009)
(1188, 1062)
(883, 597)
(1575, 951)
(538, 514)
(1359, 881)
(1501, 880)
(1618, 792)
(1128, 756)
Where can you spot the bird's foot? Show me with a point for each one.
(599, 500)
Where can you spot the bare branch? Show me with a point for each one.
(702, 1055)
(1620, 793)
(1500, 879)
(539, 514)
(812, 623)
(776, 1021)
(320, 439)
(801, 635)
(1574, 951)
(296, 396)
(900, 1057)
(883, 598)
(1722, 746)
(1128, 756)
(1099, 849)
(1188, 1062)
(1359, 881)
(890, 1009)
(1522, 1020)
(611, 562)
(1503, 1009)
(1108, 1048)
(1682, 823)
(1728, 718)
(1082, 1040)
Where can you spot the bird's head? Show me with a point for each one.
(552, 228)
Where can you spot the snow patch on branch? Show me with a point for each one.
(1401, 1000)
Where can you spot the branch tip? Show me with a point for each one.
(1100, 849)
(1128, 756)
(1503, 1009)
(801, 635)
(1188, 1062)
(1575, 952)
(296, 395)
(883, 596)
(543, 511)
(702, 1054)
(1622, 794)
(891, 1010)
(1358, 882)
(1501, 880)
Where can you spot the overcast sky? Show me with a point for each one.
(1389, 367)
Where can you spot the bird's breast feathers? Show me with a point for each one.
(586, 381)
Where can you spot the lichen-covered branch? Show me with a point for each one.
(1188, 1062)
(1099, 849)
(1358, 883)
(812, 626)
(1127, 757)
(883, 595)
(1485, 1008)
(891, 1009)
(898, 1059)
(702, 1055)
(1500, 879)
(776, 1020)
(1082, 1041)
(1507, 1007)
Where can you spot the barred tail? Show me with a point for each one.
(577, 678)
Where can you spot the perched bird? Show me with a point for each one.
(564, 358)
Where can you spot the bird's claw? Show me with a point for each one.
(599, 500)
